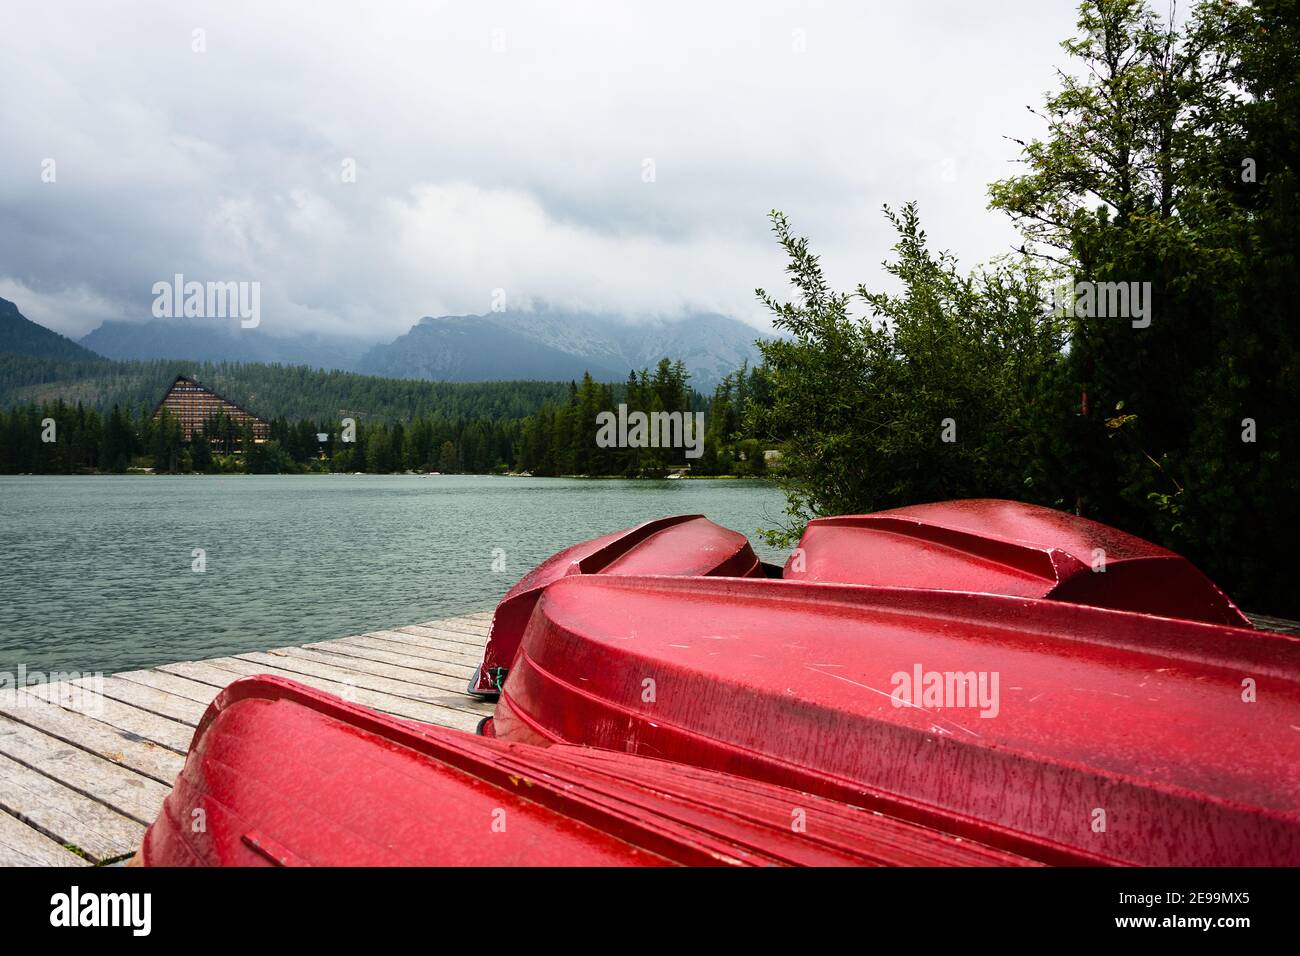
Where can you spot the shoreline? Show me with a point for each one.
(140, 473)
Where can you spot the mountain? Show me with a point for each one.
(468, 348)
(453, 366)
(214, 340)
(19, 335)
(554, 345)
(545, 344)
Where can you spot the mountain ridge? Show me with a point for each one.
(544, 344)
(550, 343)
(19, 335)
(216, 340)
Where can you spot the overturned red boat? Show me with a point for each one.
(964, 683)
(1007, 547)
(279, 774)
(679, 545)
(1065, 733)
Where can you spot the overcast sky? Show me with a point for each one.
(496, 145)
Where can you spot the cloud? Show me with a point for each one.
(495, 146)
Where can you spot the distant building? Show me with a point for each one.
(194, 406)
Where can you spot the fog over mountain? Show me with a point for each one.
(557, 344)
(370, 164)
(547, 344)
(217, 340)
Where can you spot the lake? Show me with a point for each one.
(96, 573)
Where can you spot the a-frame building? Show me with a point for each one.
(193, 406)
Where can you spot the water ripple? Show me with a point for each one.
(95, 572)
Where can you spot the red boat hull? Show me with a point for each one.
(280, 774)
(680, 545)
(1117, 737)
(1006, 547)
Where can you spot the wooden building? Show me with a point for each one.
(194, 406)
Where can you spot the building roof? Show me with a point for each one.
(211, 391)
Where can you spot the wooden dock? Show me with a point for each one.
(83, 773)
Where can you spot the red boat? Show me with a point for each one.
(1006, 547)
(283, 775)
(679, 545)
(967, 683)
(1061, 732)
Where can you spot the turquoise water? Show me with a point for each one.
(96, 572)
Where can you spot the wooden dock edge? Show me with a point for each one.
(85, 765)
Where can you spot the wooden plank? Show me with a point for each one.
(99, 738)
(458, 635)
(124, 718)
(350, 676)
(464, 625)
(152, 700)
(475, 642)
(451, 649)
(222, 671)
(129, 793)
(172, 684)
(468, 621)
(455, 672)
(417, 648)
(20, 845)
(202, 671)
(386, 703)
(400, 643)
(379, 668)
(218, 673)
(64, 815)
